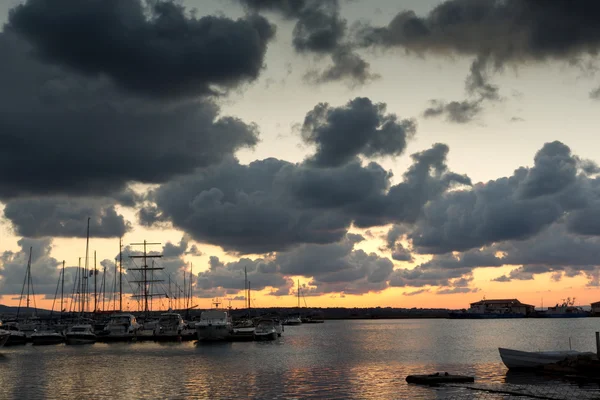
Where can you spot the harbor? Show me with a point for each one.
(347, 358)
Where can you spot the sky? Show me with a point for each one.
(402, 153)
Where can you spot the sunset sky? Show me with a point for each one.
(405, 153)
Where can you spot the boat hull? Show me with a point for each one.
(569, 315)
(212, 332)
(4, 336)
(16, 339)
(484, 316)
(80, 339)
(265, 336)
(516, 359)
(47, 340)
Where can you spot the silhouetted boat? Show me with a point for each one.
(517, 359)
(80, 334)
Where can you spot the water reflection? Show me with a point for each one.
(338, 359)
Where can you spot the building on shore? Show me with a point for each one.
(496, 308)
(596, 308)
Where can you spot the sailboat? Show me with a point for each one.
(294, 319)
(81, 332)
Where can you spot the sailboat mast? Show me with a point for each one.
(28, 274)
(62, 289)
(115, 289)
(95, 287)
(80, 287)
(120, 274)
(87, 265)
(185, 305)
(249, 298)
(170, 294)
(298, 293)
(191, 277)
(246, 287)
(103, 286)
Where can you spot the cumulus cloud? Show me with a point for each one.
(337, 267)
(320, 30)
(228, 278)
(515, 207)
(273, 205)
(44, 268)
(358, 128)
(155, 49)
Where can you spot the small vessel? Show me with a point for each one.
(267, 329)
(293, 320)
(567, 309)
(80, 334)
(517, 359)
(169, 327)
(4, 336)
(121, 327)
(214, 325)
(17, 337)
(46, 337)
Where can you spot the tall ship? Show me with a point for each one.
(494, 308)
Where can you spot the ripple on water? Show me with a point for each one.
(338, 359)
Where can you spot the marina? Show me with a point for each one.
(345, 359)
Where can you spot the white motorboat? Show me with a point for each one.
(214, 325)
(120, 328)
(170, 326)
(268, 329)
(517, 359)
(47, 337)
(81, 334)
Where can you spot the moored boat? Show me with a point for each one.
(80, 334)
(17, 337)
(46, 337)
(214, 325)
(169, 327)
(517, 359)
(267, 329)
(121, 327)
(4, 336)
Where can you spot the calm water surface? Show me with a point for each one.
(337, 359)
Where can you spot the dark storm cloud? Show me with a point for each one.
(497, 32)
(358, 128)
(517, 207)
(245, 209)
(60, 129)
(347, 65)
(319, 30)
(459, 112)
(273, 205)
(65, 217)
(156, 49)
